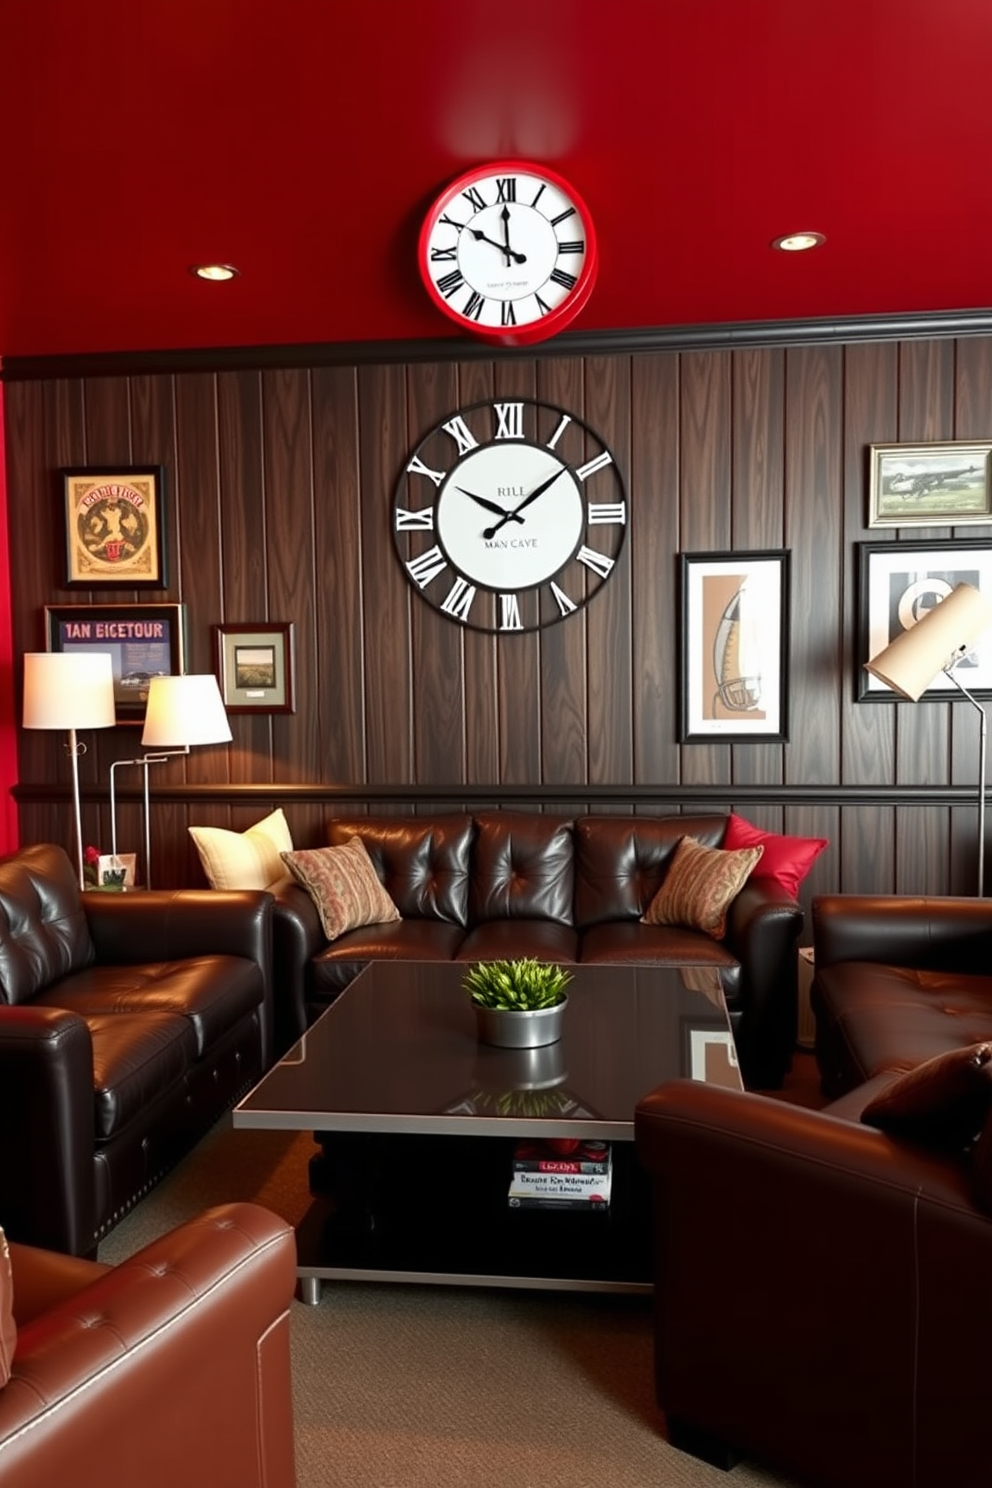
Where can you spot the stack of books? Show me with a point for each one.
(559, 1175)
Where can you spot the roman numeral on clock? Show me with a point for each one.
(473, 306)
(509, 420)
(460, 433)
(506, 189)
(591, 466)
(459, 599)
(417, 467)
(578, 246)
(507, 314)
(558, 276)
(426, 566)
(413, 521)
(606, 512)
(565, 605)
(509, 613)
(598, 562)
(448, 283)
(474, 198)
(439, 254)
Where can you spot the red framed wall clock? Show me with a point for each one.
(508, 252)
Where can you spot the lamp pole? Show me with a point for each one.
(982, 742)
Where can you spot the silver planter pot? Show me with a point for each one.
(509, 1029)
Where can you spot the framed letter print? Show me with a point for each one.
(115, 526)
(897, 584)
(255, 668)
(735, 610)
(143, 641)
(929, 485)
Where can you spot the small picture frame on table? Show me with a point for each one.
(255, 667)
(734, 662)
(142, 640)
(115, 526)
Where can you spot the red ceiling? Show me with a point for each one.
(303, 140)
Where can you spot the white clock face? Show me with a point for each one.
(509, 252)
(509, 515)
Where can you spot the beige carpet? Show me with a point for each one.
(442, 1387)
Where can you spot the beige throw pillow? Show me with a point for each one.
(700, 885)
(8, 1328)
(244, 860)
(343, 885)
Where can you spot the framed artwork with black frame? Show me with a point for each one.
(115, 526)
(142, 640)
(735, 646)
(898, 583)
(930, 485)
(255, 667)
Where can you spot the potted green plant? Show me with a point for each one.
(519, 1004)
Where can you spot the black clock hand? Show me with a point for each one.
(480, 237)
(490, 506)
(515, 513)
(505, 219)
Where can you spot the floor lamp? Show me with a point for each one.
(936, 644)
(69, 690)
(181, 712)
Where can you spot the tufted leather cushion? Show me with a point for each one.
(43, 930)
(523, 868)
(136, 1058)
(8, 1329)
(620, 861)
(423, 865)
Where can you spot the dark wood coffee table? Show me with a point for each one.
(417, 1121)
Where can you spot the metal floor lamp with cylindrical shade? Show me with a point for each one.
(181, 711)
(69, 690)
(935, 644)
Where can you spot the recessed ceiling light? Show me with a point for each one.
(798, 242)
(216, 273)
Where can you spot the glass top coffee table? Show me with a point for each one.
(416, 1120)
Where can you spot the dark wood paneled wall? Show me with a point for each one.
(279, 489)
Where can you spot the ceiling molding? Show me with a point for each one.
(729, 337)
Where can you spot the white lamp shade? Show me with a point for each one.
(909, 663)
(185, 710)
(68, 690)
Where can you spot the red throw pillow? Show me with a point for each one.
(8, 1329)
(787, 860)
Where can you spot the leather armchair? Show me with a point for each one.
(172, 1367)
(821, 1295)
(128, 1024)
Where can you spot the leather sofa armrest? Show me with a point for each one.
(763, 928)
(186, 1342)
(171, 924)
(297, 937)
(46, 1106)
(804, 1263)
(936, 933)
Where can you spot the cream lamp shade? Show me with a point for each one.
(945, 634)
(68, 690)
(183, 711)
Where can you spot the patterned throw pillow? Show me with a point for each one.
(343, 884)
(8, 1328)
(244, 860)
(787, 860)
(945, 1100)
(699, 887)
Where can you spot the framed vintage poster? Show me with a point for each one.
(897, 584)
(255, 667)
(734, 644)
(143, 641)
(929, 485)
(115, 526)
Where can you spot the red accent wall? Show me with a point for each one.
(8, 715)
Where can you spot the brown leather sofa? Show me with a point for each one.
(509, 883)
(847, 1344)
(172, 1367)
(128, 1024)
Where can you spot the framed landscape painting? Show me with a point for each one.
(929, 485)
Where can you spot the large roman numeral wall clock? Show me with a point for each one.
(510, 515)
(508, 252)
